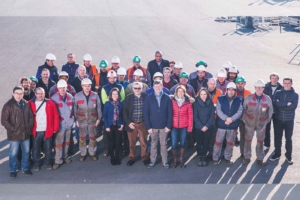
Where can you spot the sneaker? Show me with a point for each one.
(151, 165)
(215, 163)
(55, 166)
(166, 165)
(94, 158)
(199, 163)
(246, 161)
(36, 168)
(27, 172)
(274, 157)
(261, 163)
(68, 160)
(229, 162)
(130, 162)
(290, 161)
(82, 158)
(266, 148)
(49, 167)
(146, 162)
(13, 174)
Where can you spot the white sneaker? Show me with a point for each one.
(266, 148)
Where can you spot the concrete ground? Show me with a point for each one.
(184, 31)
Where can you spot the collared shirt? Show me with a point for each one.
(158, 97)
(137, 115)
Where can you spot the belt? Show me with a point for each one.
(139, 122)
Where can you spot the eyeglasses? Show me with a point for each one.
(20, 94)
(137, 88)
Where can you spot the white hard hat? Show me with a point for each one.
(138, 72)
(233, 69)
(201, 68)
(259, 83)
(115, 59)
(111, 73)
(86, 81)
(87, 57)
(63, 73)
(61, 83)
(226, 64)
(231, 85)
(121, 71)
(50, 56)
(178, 65)
(158, 74)
(222, 73)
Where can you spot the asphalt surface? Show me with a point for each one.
(183, 31)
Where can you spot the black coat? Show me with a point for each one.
(128, 110)
(47, 89)
(280, 101)
(194, 84)
(268, 89)
(204, 113)
(153, 67)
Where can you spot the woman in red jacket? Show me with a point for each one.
(182, 122)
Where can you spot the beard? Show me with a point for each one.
(26, 88)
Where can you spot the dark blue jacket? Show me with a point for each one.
(71, 69)
(108, 114)
(158, 117)
(268, 89)
(76, 83)
(194, 84)
(153, 67)
(280, 100)
(204, 113)
(108, 87)
(124, 83)
(53, 72)
(151, 90)
(229, 111)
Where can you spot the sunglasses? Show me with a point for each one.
(137, 88)
(157, 83)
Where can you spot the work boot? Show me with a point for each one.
(246, 161)
(94, 158)
(182, 165)
(82, 158)
(174, 158)
(68, 160)
(204, 162)
(261, 163)
(229, 162)
(215, 163)
(199, 163)
(55, 166)
(106, 153)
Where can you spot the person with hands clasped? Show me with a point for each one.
(113, 121)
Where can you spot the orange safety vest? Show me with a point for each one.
(215, 99)
(97, 81)
(94, 69)
(131, 71)
(246, 93)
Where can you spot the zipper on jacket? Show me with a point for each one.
(178, 115)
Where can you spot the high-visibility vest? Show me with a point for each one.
(215, 99)
(131, 71)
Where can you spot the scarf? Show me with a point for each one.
(180, 101)
(116, 111)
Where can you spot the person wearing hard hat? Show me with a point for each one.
(226, 65)
(115, 64)
(76, 83)
(28, 93)
(157, 65)
(171, 65)
(258, 111)
(112, 82)
(270, 89)
(70, 89)
(45, 82)
(242, 93)
(177, 71)
(87, 111)
(232, 74)
(65, 105)
(215, 93)
(285, 102)
(49, 64)
(91, 69)
(100, 79)
(146, 78)
(183, 80)
(193, 75)
(200, 80)
(70, 67)
(138, 77)
(121, 73)
(33, 82)
(229, 111)
(158, 77)
(168, 82)
(221, 80)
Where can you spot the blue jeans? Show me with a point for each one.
(178, 133)
(13, 152)
(37, 142)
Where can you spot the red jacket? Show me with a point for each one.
(52, 117)
(182, 116)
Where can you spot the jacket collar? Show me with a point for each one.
(263, 97)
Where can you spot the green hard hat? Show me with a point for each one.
(136, 59)
(32, 78)
(201, 62)
(240, 79)
(184, 75)
(103, 64)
